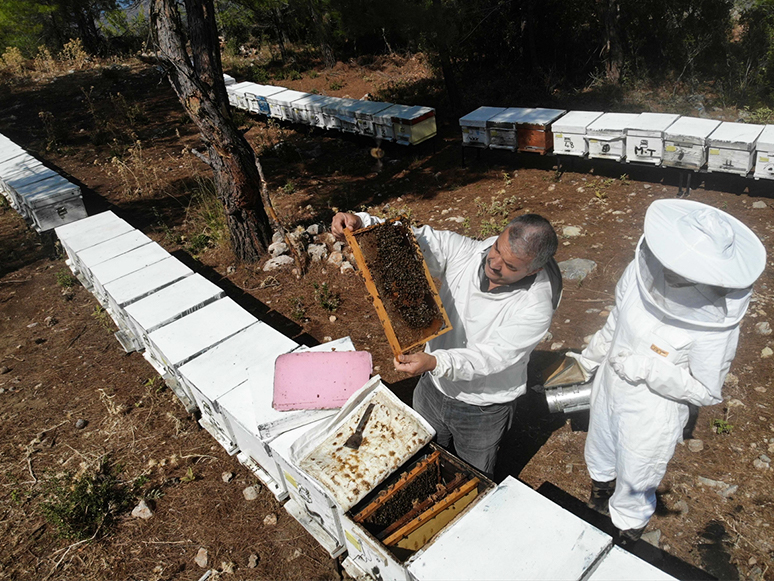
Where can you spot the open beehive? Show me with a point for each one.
(416, 503)
(397, 277)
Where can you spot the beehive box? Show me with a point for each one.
(764, 154)
(177, 343)
(332, 111)
(383, 128)
(607, 135)
(308, 110)
(257, 98)
(732, 147)
(85, 260)
(502, 129)
(621, 565)
(570, 132)
(533, 129)
(346, 114)
(52, 202)
(513, 533)
(78, 236)
(398, 280)
(228, 80)
(365, 113)
(124, 264)
(411, 125)
(473, 125)
(228, 365)
(399, 518)
(243, 95)
(281, 104)
(645, 137)
(7, 168)
(15, 179)
(235, 92)
(327, 478)
(685, 142)
(246, 411)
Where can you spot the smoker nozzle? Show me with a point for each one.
(569, 398)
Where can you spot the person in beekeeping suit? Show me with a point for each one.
(500, 295)
(668, 342)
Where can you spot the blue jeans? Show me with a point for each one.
(475, 430)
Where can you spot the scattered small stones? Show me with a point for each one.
(4, 370)
(313, 230)
(230, 269)
(228, 567)
(270, 520)
(277, 262)
(336, 259)
(731, 380)
(760, 389)
(646, 186)
(763, 328)
(577, 268)
(317, 252)
(278, 248)
(227, 477)
(556, 346)
(250, 493)
(547, 337)
(252, 561)
(332, 318)
(682, 506)
(760, 464)
(202, 558)
(652, 537)
(50, 321)
(296, 554)
(766, 352)
(730, 491)
(759, 205)
(276, 237)
(346, 267)
(571, 231)
(142, 510)
(80, 423)
(695, 445)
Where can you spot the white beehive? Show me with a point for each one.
(7, 168)
(412, 125)
(533, 129)
(122, 265)
(346, 113)
(502, 129)
(764, 154)
(607, 137)
(621, 565)
(645, 137)
(331, 112)
(281, 104)
(382, 121)
(228, 80)
(570, 132)
(308, 110)
(52, 202)
(513, 533)
(78, 236)
(133, 287)
(257, 98)
(365, 113)
(685, 142)
(243, 95)
(235, 91)
(169, 304)
(250, 354)
(327, 478)
(732, 147)
(474, 133)
(83, 261)
(177, 343)
(22, 175)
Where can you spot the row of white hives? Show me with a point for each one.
(219, 360)
(43, 197)
(404, 124)
(651, 138)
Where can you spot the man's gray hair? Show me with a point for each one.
(532, 237)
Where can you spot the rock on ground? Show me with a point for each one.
(577, 268)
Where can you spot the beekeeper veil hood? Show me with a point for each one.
(697, 263)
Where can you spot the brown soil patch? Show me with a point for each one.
(68, 367)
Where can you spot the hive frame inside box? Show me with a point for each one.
(326, 503)
(381, 311)
(408, 537)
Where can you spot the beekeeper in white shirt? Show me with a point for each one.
(669, 341)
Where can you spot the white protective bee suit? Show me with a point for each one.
(669, 340)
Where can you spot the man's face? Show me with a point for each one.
(503, 266)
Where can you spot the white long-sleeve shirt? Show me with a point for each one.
(483, 359)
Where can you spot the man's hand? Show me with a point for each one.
(415, 364)
(344, 221)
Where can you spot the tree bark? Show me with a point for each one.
(197, 78)
(612, 51)
(322, 35)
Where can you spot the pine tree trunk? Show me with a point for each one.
(197, 78)
(322, 35)
(613, 53)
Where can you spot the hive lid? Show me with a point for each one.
(621, 565)
(510, 116)
(288, 96)
(655, 122)
(735, 135)
(313, 380)
(393, 433)
(766, 139)
(575, 121)
(366, 109)
(616, 122)
(113, 247)
(480, 116)
(265, 90)
(539, 116)
(82, 228)
(691, 129)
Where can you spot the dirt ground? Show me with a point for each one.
(120, 133)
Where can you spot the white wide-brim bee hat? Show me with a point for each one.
(703, 244)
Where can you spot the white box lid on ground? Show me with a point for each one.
(621, 565)
(651, 124)
(766, 139)
(137, 285)
(128, 263)
(539, 116)
(612, 123)
(480, 116)
(512, 533)
(183, 339)
(393, 433)
(692, 130)
(78, 236)
(741, 136)
(111, 248)
(172, 302)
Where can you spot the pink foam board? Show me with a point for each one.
(324, 380)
